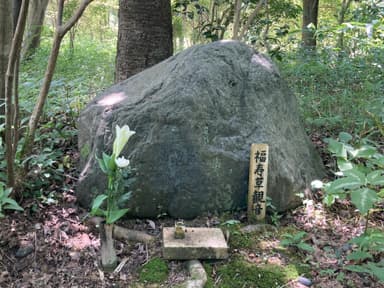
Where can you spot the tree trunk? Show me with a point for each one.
(340, 20)
(310, 16)
(61, 31)
(144, 37)
(11, 68)
(35, 22)
(236, 20)
(6, 31)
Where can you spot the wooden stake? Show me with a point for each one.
(258, 180)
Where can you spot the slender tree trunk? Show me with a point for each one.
(236, 20)
(267, 26)
(250, 19)
(35, 22)
(37, 111)
(11, 68)
(310, 16)
(6, 31)
(61, 31)
(144, 37)
(340, 20)
(16, 12)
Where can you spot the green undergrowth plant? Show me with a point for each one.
(335, 92)
(360, 168)
(51, 161)
(296, 241)
(7, 202)
(272, 212)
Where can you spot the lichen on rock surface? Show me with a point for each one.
(196, 115)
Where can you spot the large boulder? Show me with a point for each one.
(196, 115)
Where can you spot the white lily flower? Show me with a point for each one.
(121, 162)
(122, 136)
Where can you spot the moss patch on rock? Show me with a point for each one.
(241, 274)
(155, 271)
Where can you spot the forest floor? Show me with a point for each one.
(53, 246)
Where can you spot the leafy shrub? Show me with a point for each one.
(361, 168)
(361, 171)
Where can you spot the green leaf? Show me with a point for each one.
(102, 165)
(98, 201)
(357, 268)
(345, 137)
(376, 270)
(286, 243)
(359, 255)
(305, 247)
(231, 222)
(379, 161)
(363, 199)
(343, 164)
(108, 162)
(329, 199)
(124, 198)
(358, 176)
(99, 212)
(116, 215)
(376, 178)
(299, 235)
(12, 204)
(337, 148)
(365, 152)
(7, 192)
(288, 236)
(343, 183)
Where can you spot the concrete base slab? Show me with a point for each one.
(199, 243)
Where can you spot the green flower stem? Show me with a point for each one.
(111, 181)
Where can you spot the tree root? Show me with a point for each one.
(121, 233)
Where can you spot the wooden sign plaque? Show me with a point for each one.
(258, 178)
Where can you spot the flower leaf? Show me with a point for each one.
(115, 215)
(97, 202)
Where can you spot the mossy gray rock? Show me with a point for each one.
(195, 116)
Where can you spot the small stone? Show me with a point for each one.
(346, 247)
(24, 251)
(75, 255)
(305, 281)
(199, 243)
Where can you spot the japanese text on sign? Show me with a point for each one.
(258, 176)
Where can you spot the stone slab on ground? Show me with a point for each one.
(199, 243)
